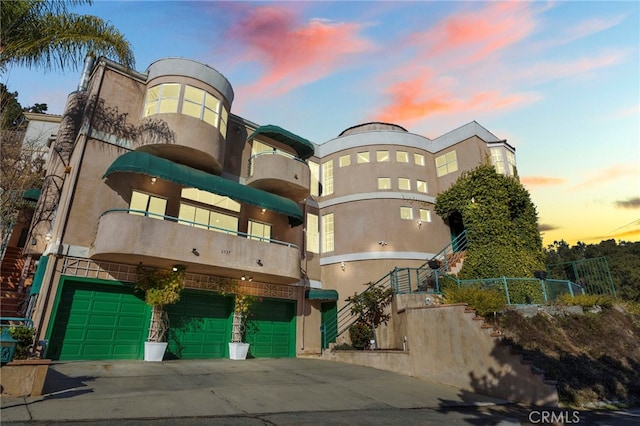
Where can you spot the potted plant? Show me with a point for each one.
(160, 288)
(238, 348)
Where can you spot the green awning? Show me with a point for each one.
(39, 274)
(31, 194)
(320, 294)
(142, 162)
(303, 147)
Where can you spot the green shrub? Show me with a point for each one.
(586, 300)
(525, 292)
(24, 336)
(361, 335)
(484, 300)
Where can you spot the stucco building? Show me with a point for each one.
(154, 169)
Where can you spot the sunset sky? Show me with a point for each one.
(559, 80)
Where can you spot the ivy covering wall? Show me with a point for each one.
(501, 223)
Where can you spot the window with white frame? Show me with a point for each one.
(327, 177)
(425, 215)
(511, 160)
(384, 183)
(421, 186)
(162, 98)
(406, 213)
(200, 217)
(259, 231)
(402, 156)
(496, 159)
(418, 159)
(363, 157)
(327, 233)
(382, 156)
(314, 168)
(404, 184)
(345, 160)
(201, 105)
(313, 233)
(143, 204)
(447, 163)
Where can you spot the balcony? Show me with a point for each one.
(163, 241)
(287, 176)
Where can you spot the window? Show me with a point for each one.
(363, 157)
(224, 116)
(147, 205)
(447, 163)
(162, 98)
(314, 168)
(421, 186)
(496, 159)
(210, 198)
(327, 233)
(511, 160)
(382, 156)
(207, 219)
(259, 231)
(384, 183)
(345, 160)
(418, 159)
(404, 184)
(406, 213)
(425, 215)
(402, 156)
(327, 178)
(313, 233)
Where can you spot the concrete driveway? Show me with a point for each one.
(109, 390)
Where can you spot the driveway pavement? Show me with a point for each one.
(110, 390)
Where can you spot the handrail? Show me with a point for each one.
(205, 225)
(28, 321)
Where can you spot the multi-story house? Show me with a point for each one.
(154, 169)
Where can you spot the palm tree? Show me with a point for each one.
(43, 33)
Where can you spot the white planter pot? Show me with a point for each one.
(238, 350)
(154, 351)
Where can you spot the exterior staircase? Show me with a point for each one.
(11, 295)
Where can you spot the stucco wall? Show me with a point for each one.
(447, 345)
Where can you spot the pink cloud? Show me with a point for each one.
(479, 33)
(535, 181)
(615, 172)
(293, 53)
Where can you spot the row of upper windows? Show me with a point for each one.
(404, 184)
(382, 156)
(326, 233)
(197, 103)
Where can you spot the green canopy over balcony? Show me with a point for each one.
(303, 147)
(144, 163)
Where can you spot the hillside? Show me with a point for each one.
(594, 357)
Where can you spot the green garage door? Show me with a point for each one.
(98, 319)
(271, 330)
(199, 326)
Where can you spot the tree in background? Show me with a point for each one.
(623, 259)
(21, 161)
(501, 223)
(37, 33)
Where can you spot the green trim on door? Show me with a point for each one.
(95, 319)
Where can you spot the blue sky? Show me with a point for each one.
(559, 80)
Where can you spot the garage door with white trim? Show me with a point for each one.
(199, 326)
(271, 331)
(98, 319)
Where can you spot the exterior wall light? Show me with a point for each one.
(342, 265)
(153, 180)
(419, 223)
